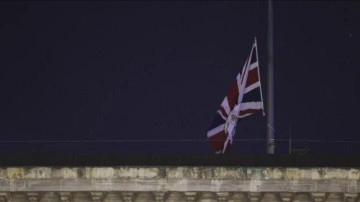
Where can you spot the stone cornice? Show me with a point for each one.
(167, 178)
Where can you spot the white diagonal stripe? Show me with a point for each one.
(238, 80)
(225, 105)
(215, 131)
(251, 105)
(220, 113)
(252, 87)
(244, 115)
(254, 65)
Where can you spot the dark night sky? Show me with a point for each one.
(113, 71)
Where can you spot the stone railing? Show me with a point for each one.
(166, 183)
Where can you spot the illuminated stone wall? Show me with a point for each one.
(205, 184)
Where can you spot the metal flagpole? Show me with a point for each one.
(270, 87)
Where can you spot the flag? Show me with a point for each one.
(243, 99)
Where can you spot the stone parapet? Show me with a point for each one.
(166, 183)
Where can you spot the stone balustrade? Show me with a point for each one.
(166, 183)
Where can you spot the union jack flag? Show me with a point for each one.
(243, 99)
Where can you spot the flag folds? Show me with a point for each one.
(244, 98)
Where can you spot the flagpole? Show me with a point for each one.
(270, 87)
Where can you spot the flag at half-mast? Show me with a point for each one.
(243, 99)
